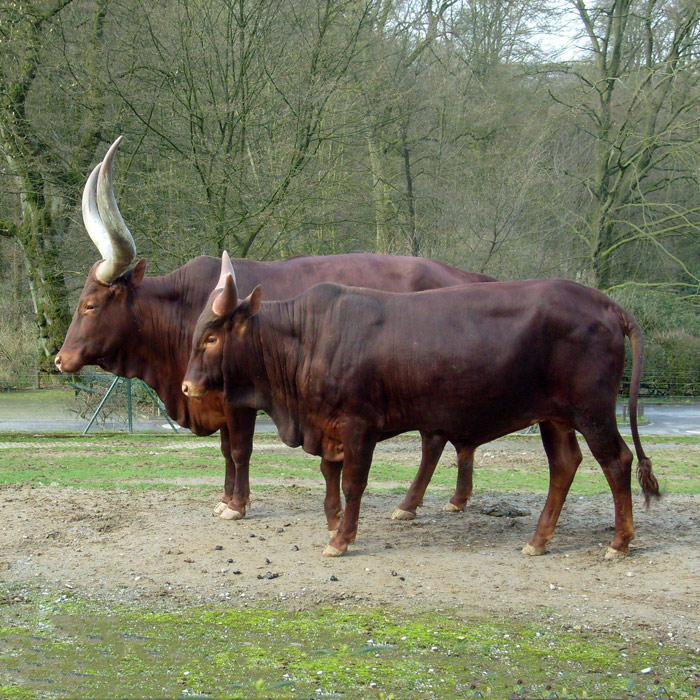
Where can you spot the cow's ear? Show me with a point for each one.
(225, 303)
(138, 272)
(250, 305)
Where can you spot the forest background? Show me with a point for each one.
(462, 130)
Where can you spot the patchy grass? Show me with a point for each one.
(54, 646)
(156, 461)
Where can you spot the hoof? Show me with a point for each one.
(220, 508)
(332, 533)
(614, 554)
(230, 514)
(450, 507)
(331, 551)
(399, 514)
(531, 551)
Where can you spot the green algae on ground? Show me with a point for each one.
(79, 649)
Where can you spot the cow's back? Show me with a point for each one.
(420, 360)
(288, 278)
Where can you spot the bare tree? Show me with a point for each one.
(636, 104)
(247, 84)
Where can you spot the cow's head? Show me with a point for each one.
(222, 322)
(102, 321)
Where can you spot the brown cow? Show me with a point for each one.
(341, 368)
(137, 326)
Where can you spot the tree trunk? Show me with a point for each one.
(380, 196)
(41, 247)
(412, 227)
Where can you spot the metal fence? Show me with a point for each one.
(655, 384)
(664, 385)
(86, 398)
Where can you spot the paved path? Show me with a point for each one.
(666, 419)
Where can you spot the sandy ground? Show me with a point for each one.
(134, 545)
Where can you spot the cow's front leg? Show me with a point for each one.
(356, 464)
(331, 504)
(230, 473)
(431, 449)
(241, 428)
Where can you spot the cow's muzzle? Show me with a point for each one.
(67, 364)
(191, 390)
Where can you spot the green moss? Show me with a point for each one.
(90, 650)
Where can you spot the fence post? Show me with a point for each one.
(129, 417)
(112, 387)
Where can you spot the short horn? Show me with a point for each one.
(123, 249)
(226, 269)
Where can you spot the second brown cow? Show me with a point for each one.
(340, 368)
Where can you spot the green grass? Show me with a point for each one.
(80, 649)
(153, 461)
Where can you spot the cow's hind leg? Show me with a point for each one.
(332, 504)
(564, 456)
(465, 484)
(615, 458)
(431, 449)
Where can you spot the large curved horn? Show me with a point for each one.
(91, 216)
(123, 249)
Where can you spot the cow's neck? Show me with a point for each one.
(270, 367)
(165, 310)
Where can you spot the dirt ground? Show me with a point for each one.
(136, 545)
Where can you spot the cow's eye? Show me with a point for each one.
(211, 340)
(89, 307)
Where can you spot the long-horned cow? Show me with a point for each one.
(139, 326)
(340, 368)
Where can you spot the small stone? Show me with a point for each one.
(269, 576)
(218, 548)
(394, 573)
(295, 548)
(229, 561)
(334, 578)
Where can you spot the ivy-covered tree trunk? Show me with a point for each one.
(42, 251)
(46, 170)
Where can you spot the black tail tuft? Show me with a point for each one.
(647, 480)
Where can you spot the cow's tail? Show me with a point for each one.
(645, 475)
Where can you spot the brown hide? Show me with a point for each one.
(339, 369)
(142, 327)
